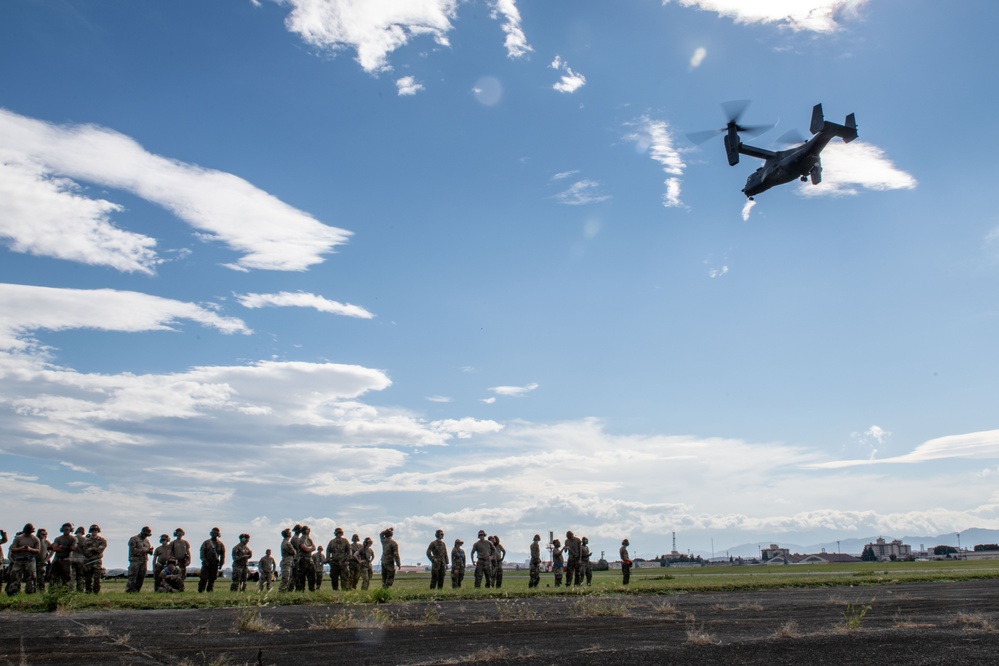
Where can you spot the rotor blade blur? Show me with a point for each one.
(792, 137)
(755, 130)
(734, 109)
(706, 135)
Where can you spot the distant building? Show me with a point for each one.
(816, 558)
(893, 550)
(774, 551)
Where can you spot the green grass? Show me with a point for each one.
(415, 587)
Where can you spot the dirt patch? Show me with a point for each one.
(929, 623)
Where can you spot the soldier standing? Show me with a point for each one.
(241, 555)
(64, 546)
(305, 569)
(353, 565)
(457, 564)
(557, 561)
(390, 557)
(139, 549)
(437, 554)
(584, 561)
(482, 559)
(338, 553)
(625, 563)
(365, 556)
(77, 560)
(287, 562)
(265, 568)
(43, 561)
(319, 564)
(535, 578)
(23, 559)
(296, 536)
(162, 555)
(93, 564)
(212, 559)
(573, 546)
(499, 554)
(3, 540)
(181, 551)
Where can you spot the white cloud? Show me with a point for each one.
(975, 445)
(440, 398)
(408, 85)
(582, 192)
(700, 53)
(48, 216)
(302, 300)
(846, 167)
(25, 309)
(516, 41)
(268, 232)
(655, 137)
(374, 28)
(513, 391)
(570, 81)
(821, 16)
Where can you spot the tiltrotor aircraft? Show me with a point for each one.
(780, 166)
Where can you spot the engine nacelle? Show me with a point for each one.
(732, 143)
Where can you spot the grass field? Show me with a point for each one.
(414, 587)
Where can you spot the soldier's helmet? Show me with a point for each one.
(338, 532)
(569, 534)
(216, 532)
(458, 542)
(28, 528)
(537, 537)
(178, 532)
(625, 543)
(94, 529)
(66, 526)
(439, 533)
(556, 542)
(164, 538)
(146, 531)
(306, 529)
(356, 537)
(286, 533)
(482, 533)
(585, 540)
(42, 532)
(80, 529)
(368, 541)
(244, 537)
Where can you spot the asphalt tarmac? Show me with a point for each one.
(927, 623)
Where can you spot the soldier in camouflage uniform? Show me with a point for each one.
(535, 578)
(180, 549)
(93, 564)
(319, 561)
(77, 560)
(265, 569)
(43, 561)
(212, 558)
(241, 555)
(390, 557)
(62, 565)
(499, 554)
(23, 559)
(352, 564)
(364, 556)
(584, 562)
(482, 560)
(557, 561)
(139, 549)
(573, 547)
(458, 562)
(171, 578)
(625, 563)
(305, 569)
(437, 554)
(3, 540)
(162, 555)
(296, 536)
(287, 562)
(338, 553)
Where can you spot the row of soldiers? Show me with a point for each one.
(73, 560)
(76, 560)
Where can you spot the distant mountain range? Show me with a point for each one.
(855, 546)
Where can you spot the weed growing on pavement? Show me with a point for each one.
(976, 622)
(248, 619)
(598, 606)
(854, 614)
(698, 635)
(787, 630)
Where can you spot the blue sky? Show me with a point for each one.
(455, 264)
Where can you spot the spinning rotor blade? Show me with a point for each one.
(735, 109)
(792, 137)
(706, 135)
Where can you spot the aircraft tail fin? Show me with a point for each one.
(847, 131)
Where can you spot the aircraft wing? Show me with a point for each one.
(753, 151)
